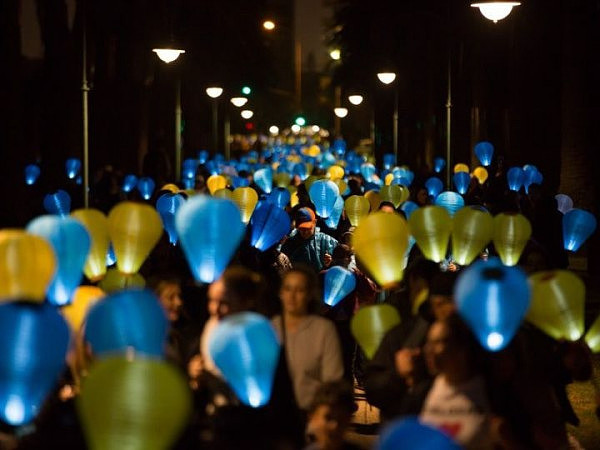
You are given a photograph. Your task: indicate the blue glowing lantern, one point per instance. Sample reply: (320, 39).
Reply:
(408, 207)
(367, 170)
(493, 299)
(323, 194)
(339, 147)
(300, 170)
(240, 182)
(515, 178)
(264, 179)
(439, 164)
(33, 343)
(564, 203)
(188, 183)
(129, 183)
(389, 161)
(189, 168)
(245, 349)
(484, 151)
(532, 176)
(212, 167)
(167, 206)
(219, 158)
(411, 434)
(336, 213)
(111, 259)
(71, 243)
(434, 186)
(125, 321)
(32, 173)
(401, 181)
(280, 197)
(72, 167)
(450, 201)
(578, 226)
(403, 172)
(353, 166)
(146, 187)
(461, 182)
(203, 156)
(269, 225)
(58, 203)
(337, 284)
(210, 230)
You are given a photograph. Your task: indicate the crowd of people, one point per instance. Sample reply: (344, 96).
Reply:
(430, 365)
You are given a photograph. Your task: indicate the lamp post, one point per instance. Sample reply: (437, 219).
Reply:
(340, 112)
(238, 102)
(215, 92)
(85, 89)
(388, 78)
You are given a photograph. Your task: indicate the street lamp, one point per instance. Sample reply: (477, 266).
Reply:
(495, 11)
(247, 114)
(388, 78)
(168, 55)
(239, 101)
(340, 112)
(214, 92)
(355, 99)
(268, 25)
(335, 54)
(274, 130)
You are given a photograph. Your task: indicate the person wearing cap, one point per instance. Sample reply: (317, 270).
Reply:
(307, 244)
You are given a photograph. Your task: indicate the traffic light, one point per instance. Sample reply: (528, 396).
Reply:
(249, 126)
(246, 90)
(300, 121)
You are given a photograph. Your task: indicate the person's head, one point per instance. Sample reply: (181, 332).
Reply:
(441, 295)
(299, 292)
(341, 256)
(422, 197)
(387, 207)
(239, 289)
(306, 221)
(168, 290)
(330, 413)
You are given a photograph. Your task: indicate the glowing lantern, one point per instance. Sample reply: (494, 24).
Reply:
(300, 171)
(557, 304)
(72, 167)
(367, 170)
(380, 242)
(450, 201)
(336, 213)
(323, 194)
(396, 194)
(167, 205)
(269, 225)
(97, 226)
(484, 151)
(134, 404)
(492, 299)
(189, 168)
(338, 283)
(223, 193)
(115, 281)
(389, 160)
(592, 337)
(71, 243)
(58, 203)
(578, 226)
(282, 179)
(461, 167)
(374, 199)
(434, 186)
(129, 182)
(245, 349)
(408, 208)
(439, 164)
(481, 174)
(357, 208)
(83, 299)
(127, 320)
(145, 186)
(27, 265)
(563, 203)
(461, 182)
(471, 231)
(280, 197)
(264, 179)
(32, 173)
(412, 434)
(216, 182)
(33, 343)
(431, 227)
(342, 186)
(170, 187)
(245, 198)
(335, 172)
(515, 178)
(208, 252)
(370, 324)
(134, 230)
(511, 233)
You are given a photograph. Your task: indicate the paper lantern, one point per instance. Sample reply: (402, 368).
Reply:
(210, 230)
(396, 194)
(338, 283)
(380, 242)
(374, 199)
(83, 299)
(203, 156)
(342, 186)
(111, 259)
(481, 174)
(450, 201)
(389, 160)
(310, 180)
(367, 170)
(408, 207)
(167, 205)
(357, 207)
(129, 183)
(189, 168)
(564, 203)
(115, 281)
(223, 193)
(515, 178)
(592, 337)
(335, 172)
(72, 167)
(461, 182)
(472, 230)
(96, 224)
(323, 194)
(170, 187)
(300, 171)
(294, 200)
(216, 182)
(58, 203)
(27, 265)
(484, 151)
(145, 186)
(578, 225)
(139, 404)
(387, 180)
(439, 164)
(557, 304)
(431, 227)
(531, 175)
(245, 349)
(282, 179)
(33, 343)
(336, 213)
(492, 299)
(461, 167)
(511, 233)
(131, 320)
(264, 179)
(280, 197)
(411, 434)
(405, 173)
(370, 324)
(134, 230)
(434, 186)
(245, 198)
(32, 173)
(269, 225)
(71, 244)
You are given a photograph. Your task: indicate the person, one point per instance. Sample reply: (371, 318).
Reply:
(329, 417)
(308, 245)
(310, 342)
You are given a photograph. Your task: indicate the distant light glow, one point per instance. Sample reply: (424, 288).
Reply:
(355, 99)
(315, 128)
(246, 90)
(296, 128)
(494, 341)
(495, 11)
(300, 121)
(268, 25)
(341, 112)
(247, 114)
(214, 91)
(14, 412)
(274, 129)
(168, 55)
(386, 77)
(239, 101)
(335, 54)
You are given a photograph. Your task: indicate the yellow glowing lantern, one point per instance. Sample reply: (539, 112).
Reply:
(431, 227)
(388, 179)
(481, 174)
(592, 337)
(170, 187)
(96, 224)
(223, 193)
(395, 194)
(335, 172)
(511, 233)
(83, 299)
(461, 167)
(374, 199)
(472, 230)
(294, 200)
(245, 199)
(216, 182)
(357, 207)
(341, 184)
(115, 281)
(282, 179)
(370, 324)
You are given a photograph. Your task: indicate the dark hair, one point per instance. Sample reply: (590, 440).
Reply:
(460, 336)
(156, 281)
(312, 285)
(386, 203)
(244, 288)
(337, 395)
(442, 283)
(340, 253)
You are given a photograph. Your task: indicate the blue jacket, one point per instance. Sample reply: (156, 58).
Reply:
(309, 251)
